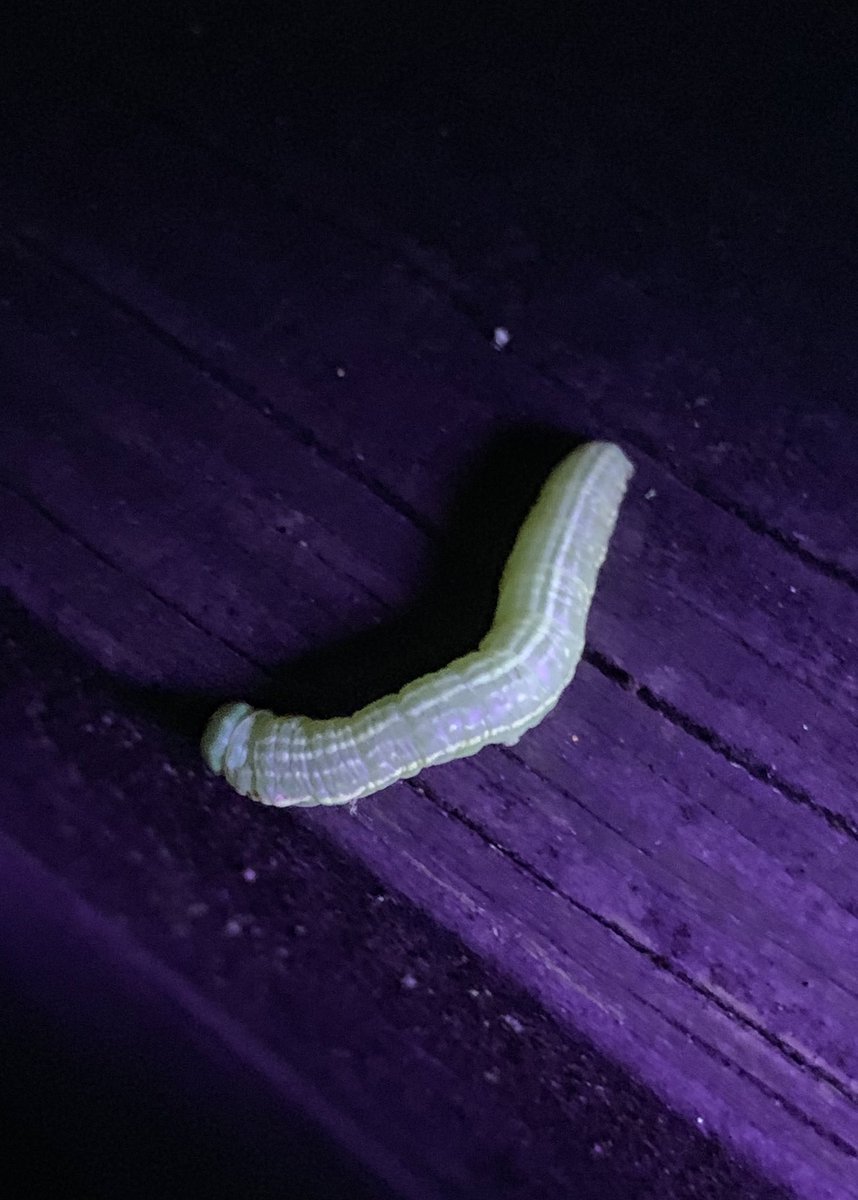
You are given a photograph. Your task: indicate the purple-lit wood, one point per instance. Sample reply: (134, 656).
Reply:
(255, 439)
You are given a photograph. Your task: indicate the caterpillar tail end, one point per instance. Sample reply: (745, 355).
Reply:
(216, 738)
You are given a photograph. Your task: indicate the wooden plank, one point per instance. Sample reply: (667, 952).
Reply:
(649, 942)
(779, 624)
(121, 1080)
(258, 950)
(635, 265)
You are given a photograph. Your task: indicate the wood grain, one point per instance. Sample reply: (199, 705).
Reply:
(251, 412)
(623, 889)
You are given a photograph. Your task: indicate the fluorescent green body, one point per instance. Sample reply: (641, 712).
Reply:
(493, 695)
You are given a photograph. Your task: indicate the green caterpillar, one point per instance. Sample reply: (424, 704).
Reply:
(493, 695)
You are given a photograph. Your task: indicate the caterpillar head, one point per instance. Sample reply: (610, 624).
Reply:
(225, 740)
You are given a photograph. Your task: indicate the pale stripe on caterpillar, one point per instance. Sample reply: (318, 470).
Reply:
(493, 695)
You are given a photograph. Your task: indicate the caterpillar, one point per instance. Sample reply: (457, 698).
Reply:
(490, 696)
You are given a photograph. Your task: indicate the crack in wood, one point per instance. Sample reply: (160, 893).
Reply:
(661, 961)
(708, 737)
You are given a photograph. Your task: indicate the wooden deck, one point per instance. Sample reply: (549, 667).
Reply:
(255, 442)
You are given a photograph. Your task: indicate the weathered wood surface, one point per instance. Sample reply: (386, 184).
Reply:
(250, 977)
(118, 1079)
(250, 404)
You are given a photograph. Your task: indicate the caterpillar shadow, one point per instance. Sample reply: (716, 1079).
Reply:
(451, 612)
